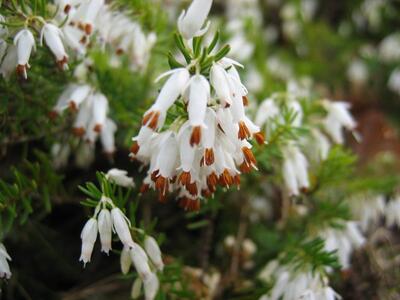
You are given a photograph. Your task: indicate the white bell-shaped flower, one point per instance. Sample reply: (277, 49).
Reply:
(52, 36)
(88, 236)
(25, 43)
(105, 230)
(154, 252)
(121, 226)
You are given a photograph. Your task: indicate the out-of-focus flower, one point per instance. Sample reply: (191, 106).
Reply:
(358, 72)
(394, 81)
(294, 170)
(338, 117)
(190, 22)
(343, 241)
(120, 177)
(392, 212)
(389, 48)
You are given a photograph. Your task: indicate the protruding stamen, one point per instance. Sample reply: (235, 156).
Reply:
(212, 181)
(151, 119)
(184, 178)
(225, 179)
(244, 132)
(259, 137)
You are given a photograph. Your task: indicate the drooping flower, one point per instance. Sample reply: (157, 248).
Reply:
(154, 252)
(25, 43)
(120, 177)
(105, 229)
(294, 170)
(121, 226)
(4, 266)
(338, 117)
(88, 236)
(392, 212)
(52, 36)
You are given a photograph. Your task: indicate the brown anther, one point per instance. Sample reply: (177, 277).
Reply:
(192, 188)
(21, 70)
(184, 178)
(244, 132)
(135, 148)
(78, 131)
(209, 156)
(88, 29)
(212, 181)
(245, 101)
(151, 119)
(81, 26)
(72, 106)
(119, 51)
(97, 128)
(62, 63)
(245, 167)
(67, 8)
(259, 137)
(144, 188)
(154, 175)
(225, 179)
(196, 136)
(162, 185)
(249, 156)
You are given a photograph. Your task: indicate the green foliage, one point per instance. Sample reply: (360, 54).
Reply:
(29, 187)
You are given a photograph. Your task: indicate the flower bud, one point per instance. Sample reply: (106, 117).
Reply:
(154, 252)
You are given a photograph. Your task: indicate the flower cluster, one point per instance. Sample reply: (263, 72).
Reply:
(206, 142)
(75, 25)
(343, 241)
(292, 284)
(107, 219)
(323, 132)
(16, 56)
(91, 109)
(4, 267)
